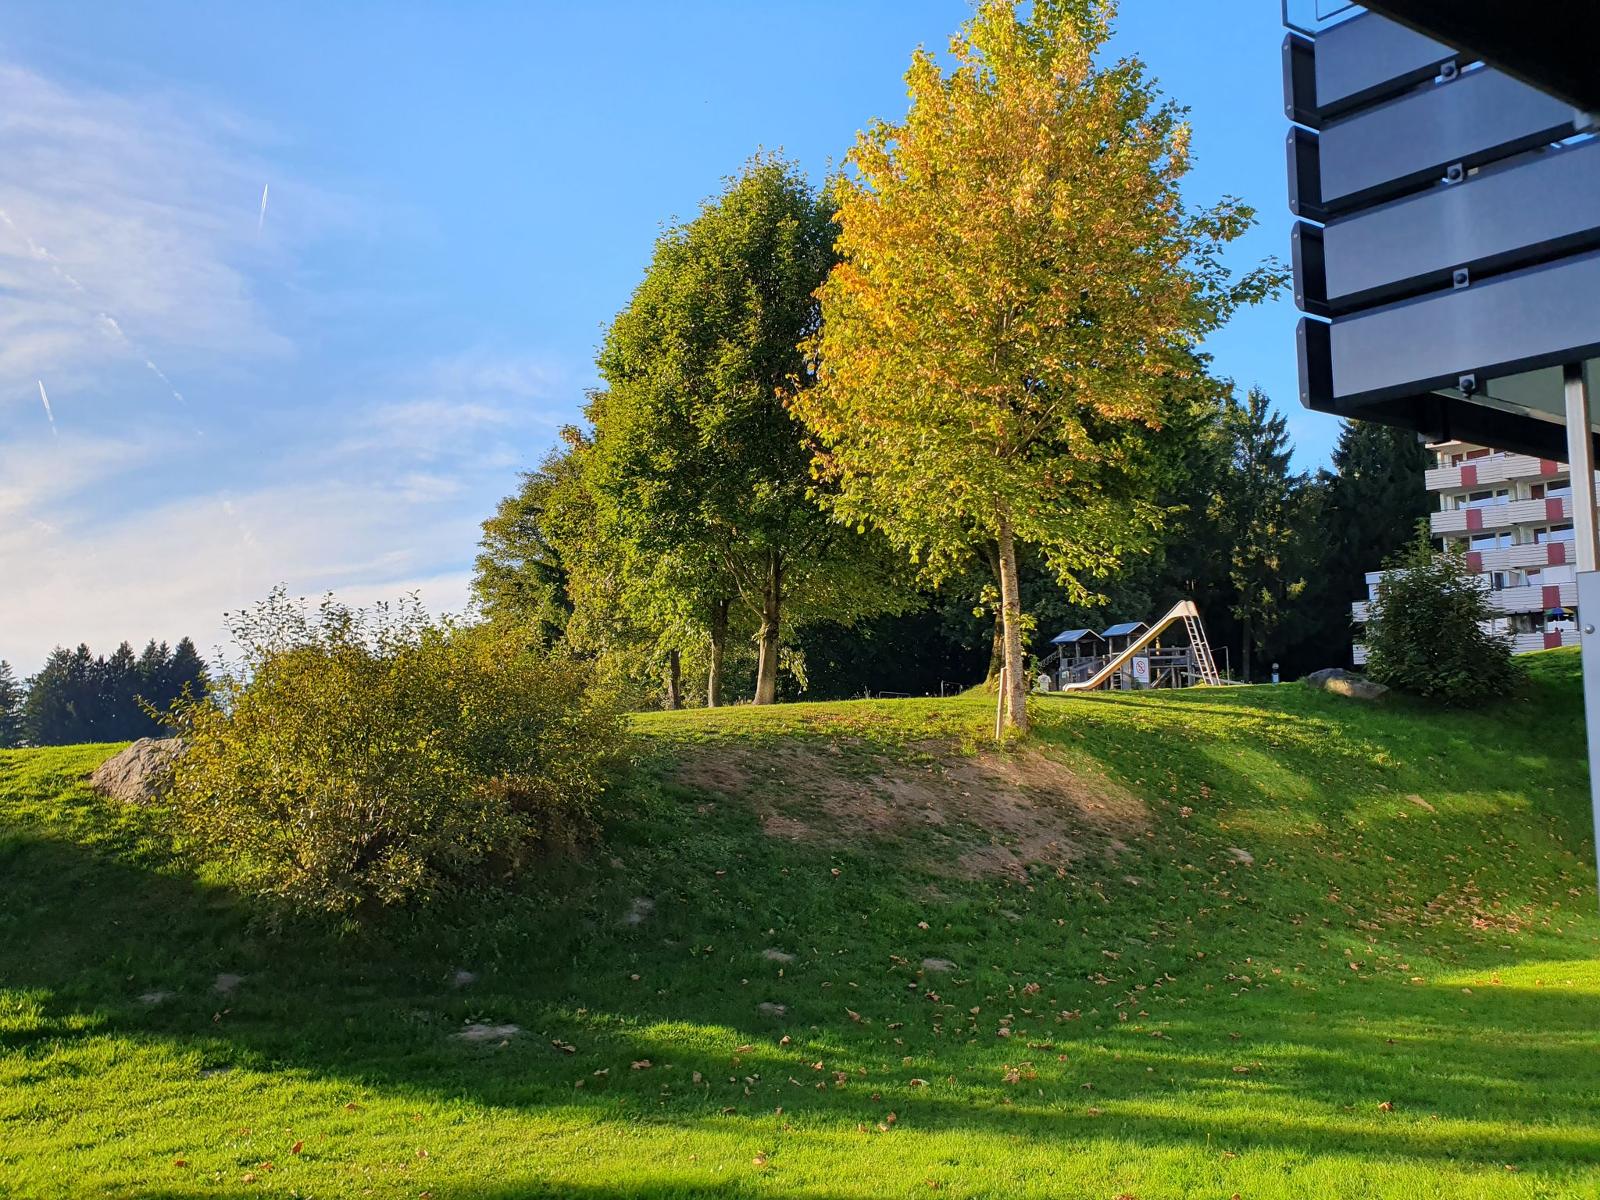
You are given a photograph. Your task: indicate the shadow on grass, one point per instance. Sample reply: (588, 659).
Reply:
(1511, 1075)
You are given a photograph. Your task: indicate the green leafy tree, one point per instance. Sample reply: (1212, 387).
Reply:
(1428, 631)
(520, 574)
(697, 467)
(1020, 283)
(1260, 504)
(11, 698)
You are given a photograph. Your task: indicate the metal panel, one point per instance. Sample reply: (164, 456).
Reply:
(1533, 318)
(1386, 151)
(1305, 178)
(1370, 58)
(1505, 217)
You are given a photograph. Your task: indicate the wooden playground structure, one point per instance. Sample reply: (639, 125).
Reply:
(1131, 655)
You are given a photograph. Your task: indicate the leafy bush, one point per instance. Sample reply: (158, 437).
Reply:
(363, 758)
(1427, 630)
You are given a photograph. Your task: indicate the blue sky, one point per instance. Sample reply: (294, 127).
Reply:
(334, 393)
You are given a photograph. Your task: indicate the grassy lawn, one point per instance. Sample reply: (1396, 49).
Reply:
(1252, 941)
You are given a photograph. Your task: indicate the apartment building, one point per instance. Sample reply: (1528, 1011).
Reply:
(1512, 514)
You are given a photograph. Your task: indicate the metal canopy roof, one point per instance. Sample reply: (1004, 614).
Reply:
(1123, 629)
(1547, 44)
(1067, 637)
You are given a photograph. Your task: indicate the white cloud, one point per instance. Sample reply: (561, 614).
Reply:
(128, 235)
(383, 499)
(135, 265)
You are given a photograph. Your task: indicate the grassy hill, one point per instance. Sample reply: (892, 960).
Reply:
(1252, 941)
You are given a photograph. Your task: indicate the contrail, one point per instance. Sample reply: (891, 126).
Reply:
(43, 255)
(45, 396)
(262, 219)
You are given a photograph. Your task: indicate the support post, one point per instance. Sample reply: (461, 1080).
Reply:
(1000, 705)
(1589, 639)
(1580, 457)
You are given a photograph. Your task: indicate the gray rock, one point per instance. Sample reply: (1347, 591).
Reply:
(768, 1009)
(777, 956)
(938, 966)
(226, 984)
(1241, 856)
(479, 1031)
(639, 911)
(463, 979)
(139, 774)
(1345, 683)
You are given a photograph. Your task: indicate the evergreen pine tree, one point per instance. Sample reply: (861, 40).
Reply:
(11, 698)
(186, 674)
(1259, 502)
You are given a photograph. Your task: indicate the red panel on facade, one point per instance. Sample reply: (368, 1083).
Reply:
(1552, 595)
(1469, 475)
(1549, 466)
(1555, 553)
(1474, 518)
(1474, 560)
(1552, 641)
(1552, 509)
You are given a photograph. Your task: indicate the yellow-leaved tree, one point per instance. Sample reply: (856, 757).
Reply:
(1020, 284)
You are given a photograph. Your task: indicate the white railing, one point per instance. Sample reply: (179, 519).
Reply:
(1496, 468)
(1531, 599)
(1499, 516)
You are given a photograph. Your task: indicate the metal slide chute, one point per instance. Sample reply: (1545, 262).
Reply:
(1184, 611)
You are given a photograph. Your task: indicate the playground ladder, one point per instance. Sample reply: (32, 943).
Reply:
(1201, 647)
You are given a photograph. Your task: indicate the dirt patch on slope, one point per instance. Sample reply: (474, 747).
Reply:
(989, 815)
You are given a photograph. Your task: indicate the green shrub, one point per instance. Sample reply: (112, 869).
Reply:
(358, 759)
(1427, 634)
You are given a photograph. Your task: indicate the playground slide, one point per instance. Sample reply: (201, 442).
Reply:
(1183, 610)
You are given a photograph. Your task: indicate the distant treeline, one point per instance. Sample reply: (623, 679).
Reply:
(78, 697)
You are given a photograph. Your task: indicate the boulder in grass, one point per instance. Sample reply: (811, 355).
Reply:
(139, 774)
(1345, 683)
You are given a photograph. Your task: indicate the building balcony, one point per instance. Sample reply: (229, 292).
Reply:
(1530, 554)
(1497, 468)
(1536, 598)
(1502, 516)
(1527, 643)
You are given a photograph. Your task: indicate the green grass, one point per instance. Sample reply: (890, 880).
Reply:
(1399, 996)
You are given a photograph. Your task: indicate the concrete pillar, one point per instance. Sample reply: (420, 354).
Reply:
(1580, 457)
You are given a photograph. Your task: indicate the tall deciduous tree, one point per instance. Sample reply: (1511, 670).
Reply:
(697, 466)
(1260, 508)
(1020, 282)
(520, 575)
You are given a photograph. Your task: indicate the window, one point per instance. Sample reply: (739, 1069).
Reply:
(1554, 533)
(1490, 541)
(1483, 499)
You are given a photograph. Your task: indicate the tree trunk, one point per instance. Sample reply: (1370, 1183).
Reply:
(674, 680)
(1016, 686)
(719, 642)
(771, 615)
(1244, 656)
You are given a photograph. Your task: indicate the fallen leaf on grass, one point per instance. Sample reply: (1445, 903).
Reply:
(642, 1064)
(297, 1147)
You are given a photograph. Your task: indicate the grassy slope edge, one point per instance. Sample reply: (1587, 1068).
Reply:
(1267, 942)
